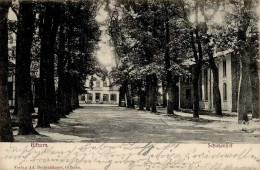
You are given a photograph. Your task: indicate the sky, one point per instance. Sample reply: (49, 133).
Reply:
(105, 53)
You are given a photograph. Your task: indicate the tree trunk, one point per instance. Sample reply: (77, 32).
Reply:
(68, 92)
(216, 91)
(164, 91)
(196, 70)
(141, 100)
(154, 92)
(175, 93)
(148, 94)
(77, 100)
(254, 77)
(6, 134)
(169, 76)
(243, 97)
(170, 104)
(255, 88)
(244, 49)
(121, 97)
(141, 95)
(128, 97)
(198, 65)
(46, 113)
(15, 99)
(31, 100)
(61, 95)
(74, 99)
(132, 96)
(122, 93)
(23, 62)
(67, 106)
(195, 82)
(61, 111)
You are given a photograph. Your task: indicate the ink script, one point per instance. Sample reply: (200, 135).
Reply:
(128, 156)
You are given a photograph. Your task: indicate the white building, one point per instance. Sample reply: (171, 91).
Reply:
(228, 68)
(229, 74)
(101, 91)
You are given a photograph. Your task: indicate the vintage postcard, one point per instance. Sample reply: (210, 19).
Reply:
(129, 84)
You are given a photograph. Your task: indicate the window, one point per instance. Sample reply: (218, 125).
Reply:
(98, 83)
(113, 97)
(105, 83)
(82, 97)
(206, 84)
(224, 68)
(97, 96)
(188, 94)
(105, 97)
(224, 91)
(10, 90)
(189, 79)
(90, 97)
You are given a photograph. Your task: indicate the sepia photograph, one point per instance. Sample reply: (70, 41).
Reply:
(129, 84)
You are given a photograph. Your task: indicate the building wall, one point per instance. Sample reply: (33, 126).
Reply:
(205, 96)
(108, 94)
(225, 79)
(230, 79)
(185, 92)
(235, 81)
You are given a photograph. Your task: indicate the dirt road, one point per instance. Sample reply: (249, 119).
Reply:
(101, 123)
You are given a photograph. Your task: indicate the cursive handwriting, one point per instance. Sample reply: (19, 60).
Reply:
(132, 156)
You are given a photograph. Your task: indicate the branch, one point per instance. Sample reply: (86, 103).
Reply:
(198, 40)
(14, 10)
(185, 16)
(194, 47)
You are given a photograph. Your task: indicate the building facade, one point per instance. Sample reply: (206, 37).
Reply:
(229, 74)
(100, 90)
(185, 92)
(228, 70)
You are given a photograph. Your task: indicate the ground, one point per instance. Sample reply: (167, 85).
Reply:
(103, 123)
